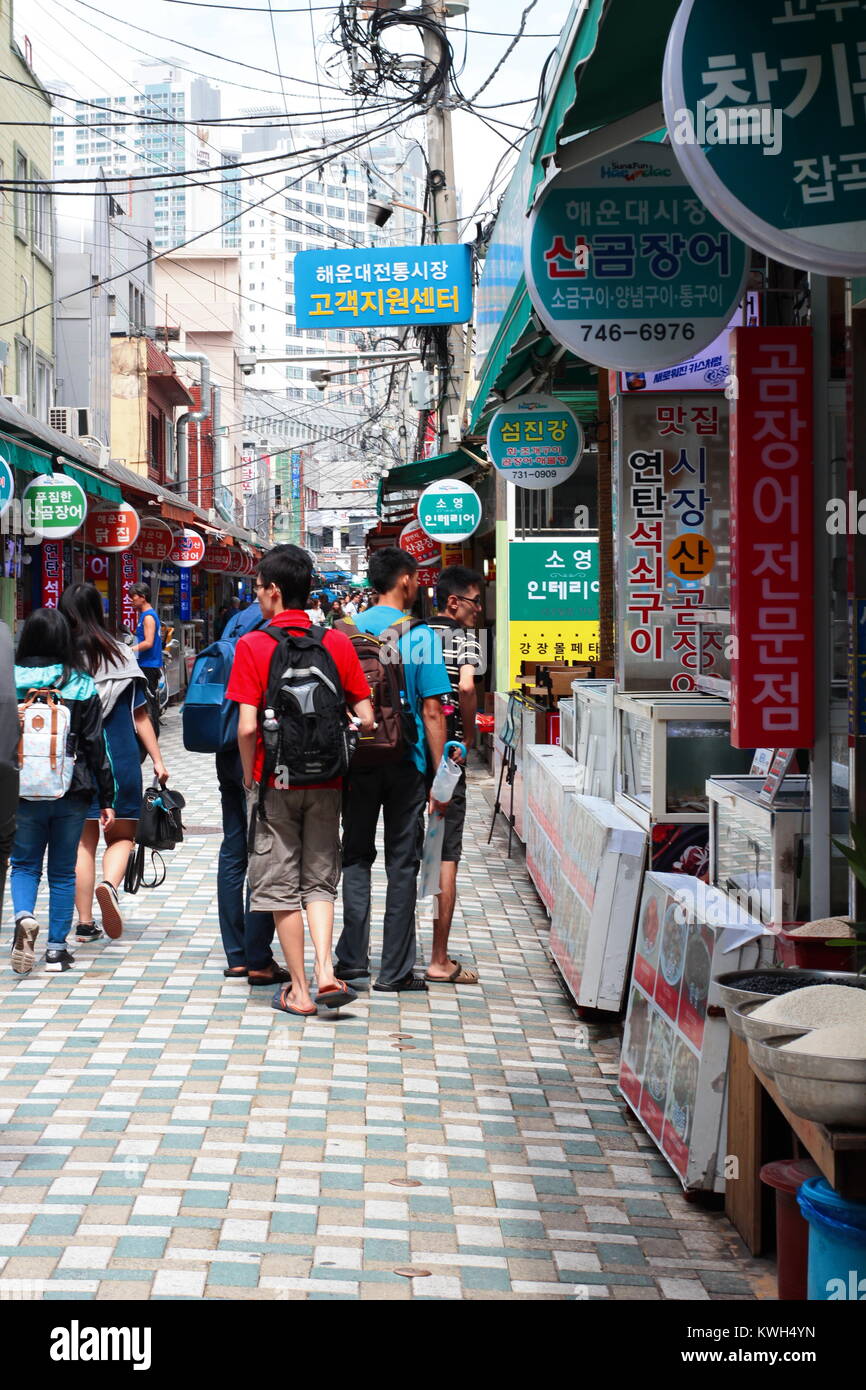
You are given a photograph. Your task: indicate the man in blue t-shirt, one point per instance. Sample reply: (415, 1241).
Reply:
(398, 790)
(148, 645)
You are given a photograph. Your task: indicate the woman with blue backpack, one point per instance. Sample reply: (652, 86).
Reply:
(121, 685)
(64, 761)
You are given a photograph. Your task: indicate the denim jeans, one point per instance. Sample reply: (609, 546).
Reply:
(247, 936)
(55, 826)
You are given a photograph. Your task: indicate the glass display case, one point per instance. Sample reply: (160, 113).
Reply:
(667, 747)
(759, 854)
(566, 726)
(594, 736)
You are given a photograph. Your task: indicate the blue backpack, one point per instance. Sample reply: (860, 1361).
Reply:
(210, 722)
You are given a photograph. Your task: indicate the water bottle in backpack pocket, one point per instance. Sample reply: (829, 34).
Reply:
(305, 732)
(45, 757)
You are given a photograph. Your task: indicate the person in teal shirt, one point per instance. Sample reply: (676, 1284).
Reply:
(397, 790)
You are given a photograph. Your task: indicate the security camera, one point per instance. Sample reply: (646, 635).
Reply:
(379, 212)
(247, 362)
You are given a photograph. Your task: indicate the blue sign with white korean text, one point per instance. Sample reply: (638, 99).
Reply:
(626, 267)
(184, 605)
(766, 107)
(369, 288)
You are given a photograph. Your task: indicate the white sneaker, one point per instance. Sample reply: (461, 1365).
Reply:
(109, 906)
(24, 943)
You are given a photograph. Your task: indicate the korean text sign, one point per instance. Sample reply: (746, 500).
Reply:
(671, 535)
(55, 506)
(772, 551)
(766, 105)
(553, 601)
(52, 573)
(112, 529)
(449, 510)
(626, 266)
(371, 287)
(535, 441)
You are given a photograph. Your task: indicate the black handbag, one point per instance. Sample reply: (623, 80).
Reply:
(159, 828)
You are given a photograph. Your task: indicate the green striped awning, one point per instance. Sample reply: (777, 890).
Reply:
(23, 457)
(94, 486)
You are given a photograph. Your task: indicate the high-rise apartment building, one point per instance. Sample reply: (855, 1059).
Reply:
(159, 123)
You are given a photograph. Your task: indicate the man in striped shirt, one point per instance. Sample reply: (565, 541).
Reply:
(458, 606)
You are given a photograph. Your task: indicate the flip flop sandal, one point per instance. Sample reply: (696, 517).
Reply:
(235, 972)
(461, 975)
(279, 1003)
(333, 998)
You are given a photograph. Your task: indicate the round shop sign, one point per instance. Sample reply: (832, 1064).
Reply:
(155, 540)
(7, 483)
(217, 558)
(188, 549)
(236, 562)
(415, 541)
(449, 511)
(535, 441)
(112, 529)
(764, 104)
(54, 506)
(626, 267)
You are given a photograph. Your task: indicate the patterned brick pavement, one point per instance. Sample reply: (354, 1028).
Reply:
(165, 1134)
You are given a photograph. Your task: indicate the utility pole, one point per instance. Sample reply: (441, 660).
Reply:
(443, 196)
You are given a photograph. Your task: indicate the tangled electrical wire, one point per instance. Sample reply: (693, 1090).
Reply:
(372, 65)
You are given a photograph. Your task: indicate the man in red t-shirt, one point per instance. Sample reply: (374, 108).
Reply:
(294, 864)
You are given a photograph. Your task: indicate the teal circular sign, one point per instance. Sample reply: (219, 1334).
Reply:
(7, 483)
(625, 265)
(449, 511)
(535, 441)
(765, 108)
(55, 506)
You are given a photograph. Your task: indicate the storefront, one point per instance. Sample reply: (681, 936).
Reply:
(711, 728)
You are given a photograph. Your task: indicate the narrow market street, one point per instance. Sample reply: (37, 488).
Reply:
(167, 1135)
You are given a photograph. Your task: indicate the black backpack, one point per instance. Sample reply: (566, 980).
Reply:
(304, 729)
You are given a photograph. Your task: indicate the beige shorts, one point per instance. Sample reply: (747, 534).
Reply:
(295, 855)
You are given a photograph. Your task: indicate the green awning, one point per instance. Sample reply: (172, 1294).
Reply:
(22, 457)
(93, 485)
(424, 471)
(612, 70)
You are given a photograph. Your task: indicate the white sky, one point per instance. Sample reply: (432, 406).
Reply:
(93, 52)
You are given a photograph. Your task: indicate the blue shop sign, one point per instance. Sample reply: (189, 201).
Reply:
(369, 287)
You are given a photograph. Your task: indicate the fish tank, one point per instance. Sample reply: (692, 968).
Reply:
(760, 854)
(667, 748)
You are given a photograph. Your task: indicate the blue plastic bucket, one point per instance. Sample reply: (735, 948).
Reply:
(837, 1243)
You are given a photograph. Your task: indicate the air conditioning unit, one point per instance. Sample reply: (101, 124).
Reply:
(101, 450)
(73, 420)
(20, 402)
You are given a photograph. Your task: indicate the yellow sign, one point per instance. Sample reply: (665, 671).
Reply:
(691, 555)
(550, 641)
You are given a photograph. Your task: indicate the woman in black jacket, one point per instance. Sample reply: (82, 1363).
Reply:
(46, 661)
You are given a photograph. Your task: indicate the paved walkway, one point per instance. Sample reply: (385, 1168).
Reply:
(165, 1134)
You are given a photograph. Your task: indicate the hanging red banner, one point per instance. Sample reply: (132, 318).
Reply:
(772, 548)
(52, 573)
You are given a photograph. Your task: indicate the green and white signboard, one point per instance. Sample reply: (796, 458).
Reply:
(535, 441)
(449, 511)
(7, 484)
(766, 107)
(55, 506)
(625, 265)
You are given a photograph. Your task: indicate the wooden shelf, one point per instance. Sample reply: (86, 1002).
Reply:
(839, 1153)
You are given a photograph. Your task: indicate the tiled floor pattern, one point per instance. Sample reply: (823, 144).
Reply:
(165, 1134)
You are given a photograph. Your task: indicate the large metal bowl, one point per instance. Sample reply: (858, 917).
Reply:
(813, 1068)
(760, 1029)
(733, 997)
(764, 1052)
(823, 1100)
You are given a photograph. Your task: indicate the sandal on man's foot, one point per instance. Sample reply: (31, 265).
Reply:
(336, 995)
(235, 972)
(274, 975)
(460, 975)
(412, 984)
(87, 931)
(280, 1002)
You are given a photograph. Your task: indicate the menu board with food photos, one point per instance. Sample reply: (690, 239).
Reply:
(673, 1067)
